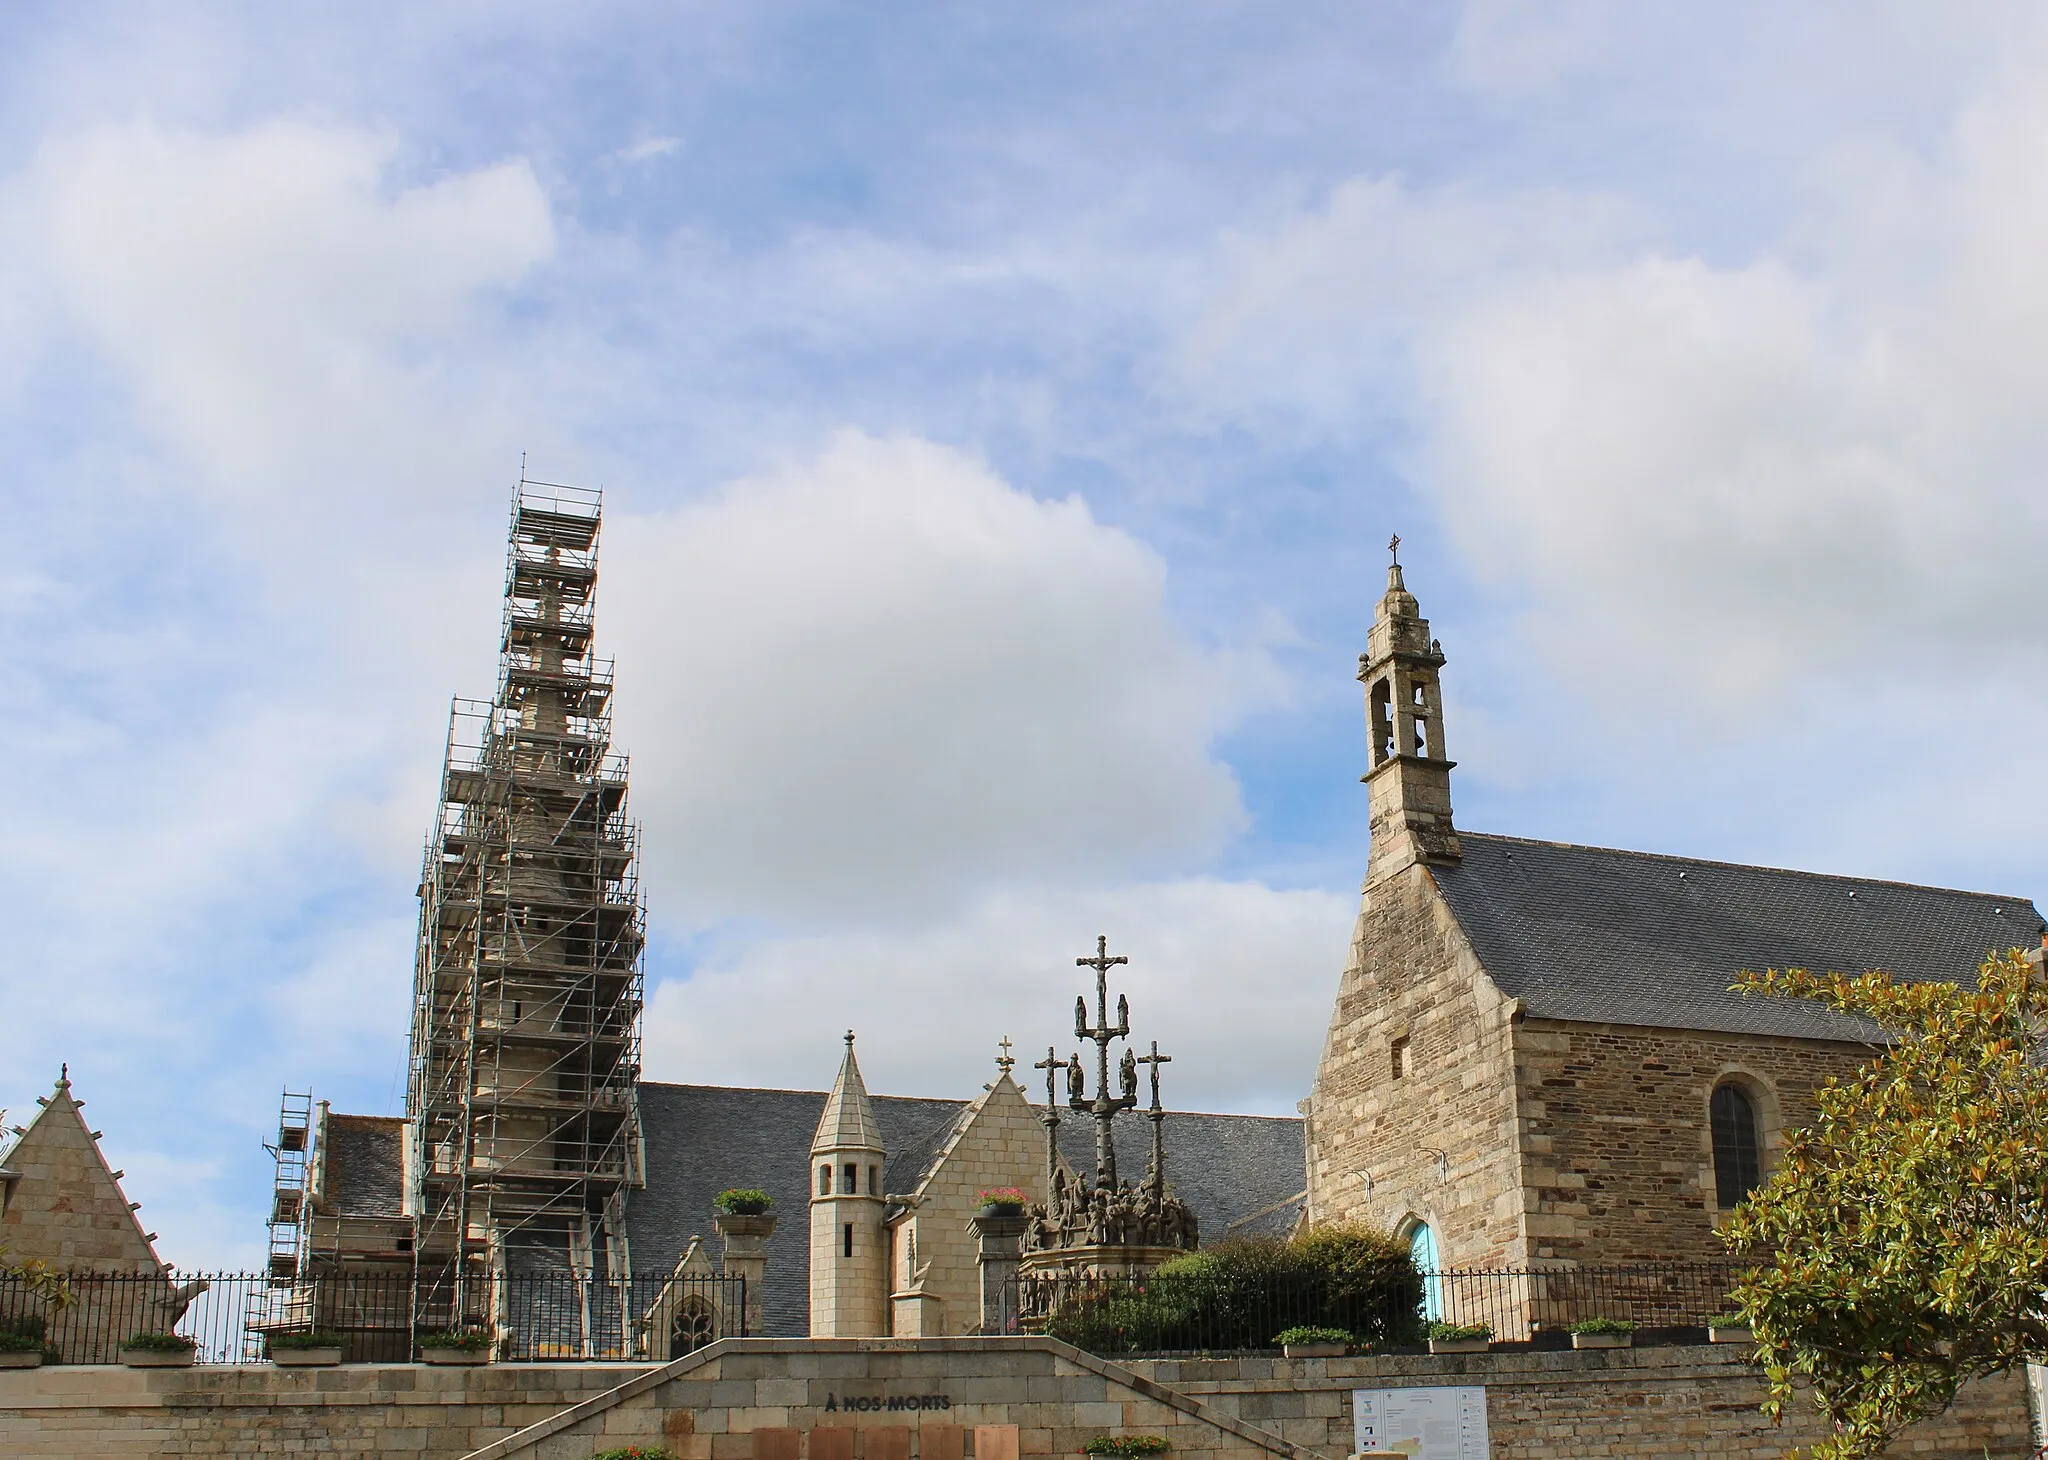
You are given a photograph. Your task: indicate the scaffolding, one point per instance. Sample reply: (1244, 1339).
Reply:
(525, 1050)
(272, 1306)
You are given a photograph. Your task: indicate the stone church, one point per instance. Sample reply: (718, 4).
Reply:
(1533, 1058)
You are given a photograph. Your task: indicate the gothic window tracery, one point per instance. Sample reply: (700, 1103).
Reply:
(1738, 1166)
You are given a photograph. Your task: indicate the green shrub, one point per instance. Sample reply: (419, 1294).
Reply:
(161, 1343)
(25, 1325)
(633, 1452)
(1728, 1320)
(743, 1201)
(19, 1343)
(1602, 1325)
(1311, 1335)
(1009, 1198)
(469, 1340)
(1452, 1332)
(1238, 1294)
(1125, 1445)
(304, 1341)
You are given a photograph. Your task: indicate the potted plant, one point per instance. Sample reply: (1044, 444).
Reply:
(456, 1346)
(159, 1351)
(1729, 1328)
(1123, 1446)
(1460, 1338)
(1003, 1201)
(634, 1452)
(743, 1201)
(1313, 1343)
(1603, 1333)
(20, 1351)
(305, 1350)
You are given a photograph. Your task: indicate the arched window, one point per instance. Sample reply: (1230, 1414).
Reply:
(1422, 1248)
(1737, 1168)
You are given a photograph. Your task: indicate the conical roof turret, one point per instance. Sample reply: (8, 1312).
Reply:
(848, 1123)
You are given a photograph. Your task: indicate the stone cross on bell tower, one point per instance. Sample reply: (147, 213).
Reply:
(1409, 782)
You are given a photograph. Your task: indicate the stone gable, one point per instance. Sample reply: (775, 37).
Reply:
(67, 1207)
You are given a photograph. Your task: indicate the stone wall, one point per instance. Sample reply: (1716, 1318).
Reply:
(1001, 1143)
(1616, 1148)
(1412, 977)
(1678, 1403)
(221, 1411)
(945, 1399)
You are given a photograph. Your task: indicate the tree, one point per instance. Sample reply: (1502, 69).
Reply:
(1905, 1235)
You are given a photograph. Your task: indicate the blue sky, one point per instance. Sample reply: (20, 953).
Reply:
(1002, 412)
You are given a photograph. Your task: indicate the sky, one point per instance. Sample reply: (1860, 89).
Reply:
(1002, 411)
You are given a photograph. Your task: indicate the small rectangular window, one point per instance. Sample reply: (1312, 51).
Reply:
(874, 1181)
(849, 1179)
(847, 1235)
(1398, 1053)
(824, 1181)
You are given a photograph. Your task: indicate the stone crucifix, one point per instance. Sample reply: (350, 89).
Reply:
(1106, 1105)
(1157, 1115)
(1052, 1064)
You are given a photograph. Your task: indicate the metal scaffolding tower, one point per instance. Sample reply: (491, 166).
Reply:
(525, 1052)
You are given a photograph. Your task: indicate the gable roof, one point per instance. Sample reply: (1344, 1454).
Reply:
(67, 1207)
(702, 1139)
(1591, 935)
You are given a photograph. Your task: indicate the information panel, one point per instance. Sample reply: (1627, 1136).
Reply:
(1430, 1424)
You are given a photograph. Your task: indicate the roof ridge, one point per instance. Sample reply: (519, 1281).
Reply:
(1532, 841)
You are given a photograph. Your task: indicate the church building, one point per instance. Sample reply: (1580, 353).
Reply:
(1534, 1058)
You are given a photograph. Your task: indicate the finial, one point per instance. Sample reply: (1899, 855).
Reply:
(1394, 547)
(1003, 1060)
(849, 1041)
(64, 1074)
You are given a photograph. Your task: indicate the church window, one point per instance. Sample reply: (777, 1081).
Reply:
(824, 1181)
(1397, 1054)
(849, 1179)
(1737, 1169)
(846, 1238)
(695, 1324)
(1382, 721)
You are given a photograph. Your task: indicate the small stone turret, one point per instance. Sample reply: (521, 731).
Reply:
(849, 1256)
(1409, 783)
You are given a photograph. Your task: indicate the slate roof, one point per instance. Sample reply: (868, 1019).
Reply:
(364, 1165)
(702, 1139)
(1591, 935)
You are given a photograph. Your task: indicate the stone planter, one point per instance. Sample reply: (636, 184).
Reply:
(21, 1359)
(158, 1358)
(1603, 1340)
(305, 1358)
(1314, 1350)
(1729, 1335)
(1460, 1345)
(467, 1357)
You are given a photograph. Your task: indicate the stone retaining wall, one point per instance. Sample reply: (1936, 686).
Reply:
(1664, 1403)
(975, 1399)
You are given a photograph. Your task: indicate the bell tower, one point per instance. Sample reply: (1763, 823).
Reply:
(849, 1260)
(1409, 783)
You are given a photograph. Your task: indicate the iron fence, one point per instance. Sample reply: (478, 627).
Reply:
(231, 1316)
(1387, 1309)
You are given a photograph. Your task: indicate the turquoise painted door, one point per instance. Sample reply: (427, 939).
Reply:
(1422, 1247)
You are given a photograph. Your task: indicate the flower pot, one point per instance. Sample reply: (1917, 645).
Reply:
(1729, 1335)
(1460, 1345)
(459, 1356)
(1603, 1340)
(158, 1358)
(1314, 1350)
(21, 1359)
(305, 1358)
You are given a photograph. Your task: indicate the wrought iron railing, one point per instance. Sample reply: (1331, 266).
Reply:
(532, 1317)
(1389, 1309)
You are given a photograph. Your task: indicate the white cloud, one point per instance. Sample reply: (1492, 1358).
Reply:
(881, 678)
(1234, 979)
(274, 297)
(1718, 475)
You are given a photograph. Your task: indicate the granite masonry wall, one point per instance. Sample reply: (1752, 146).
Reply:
(1617, 1152)
(1414, 984)
(943, 1399)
